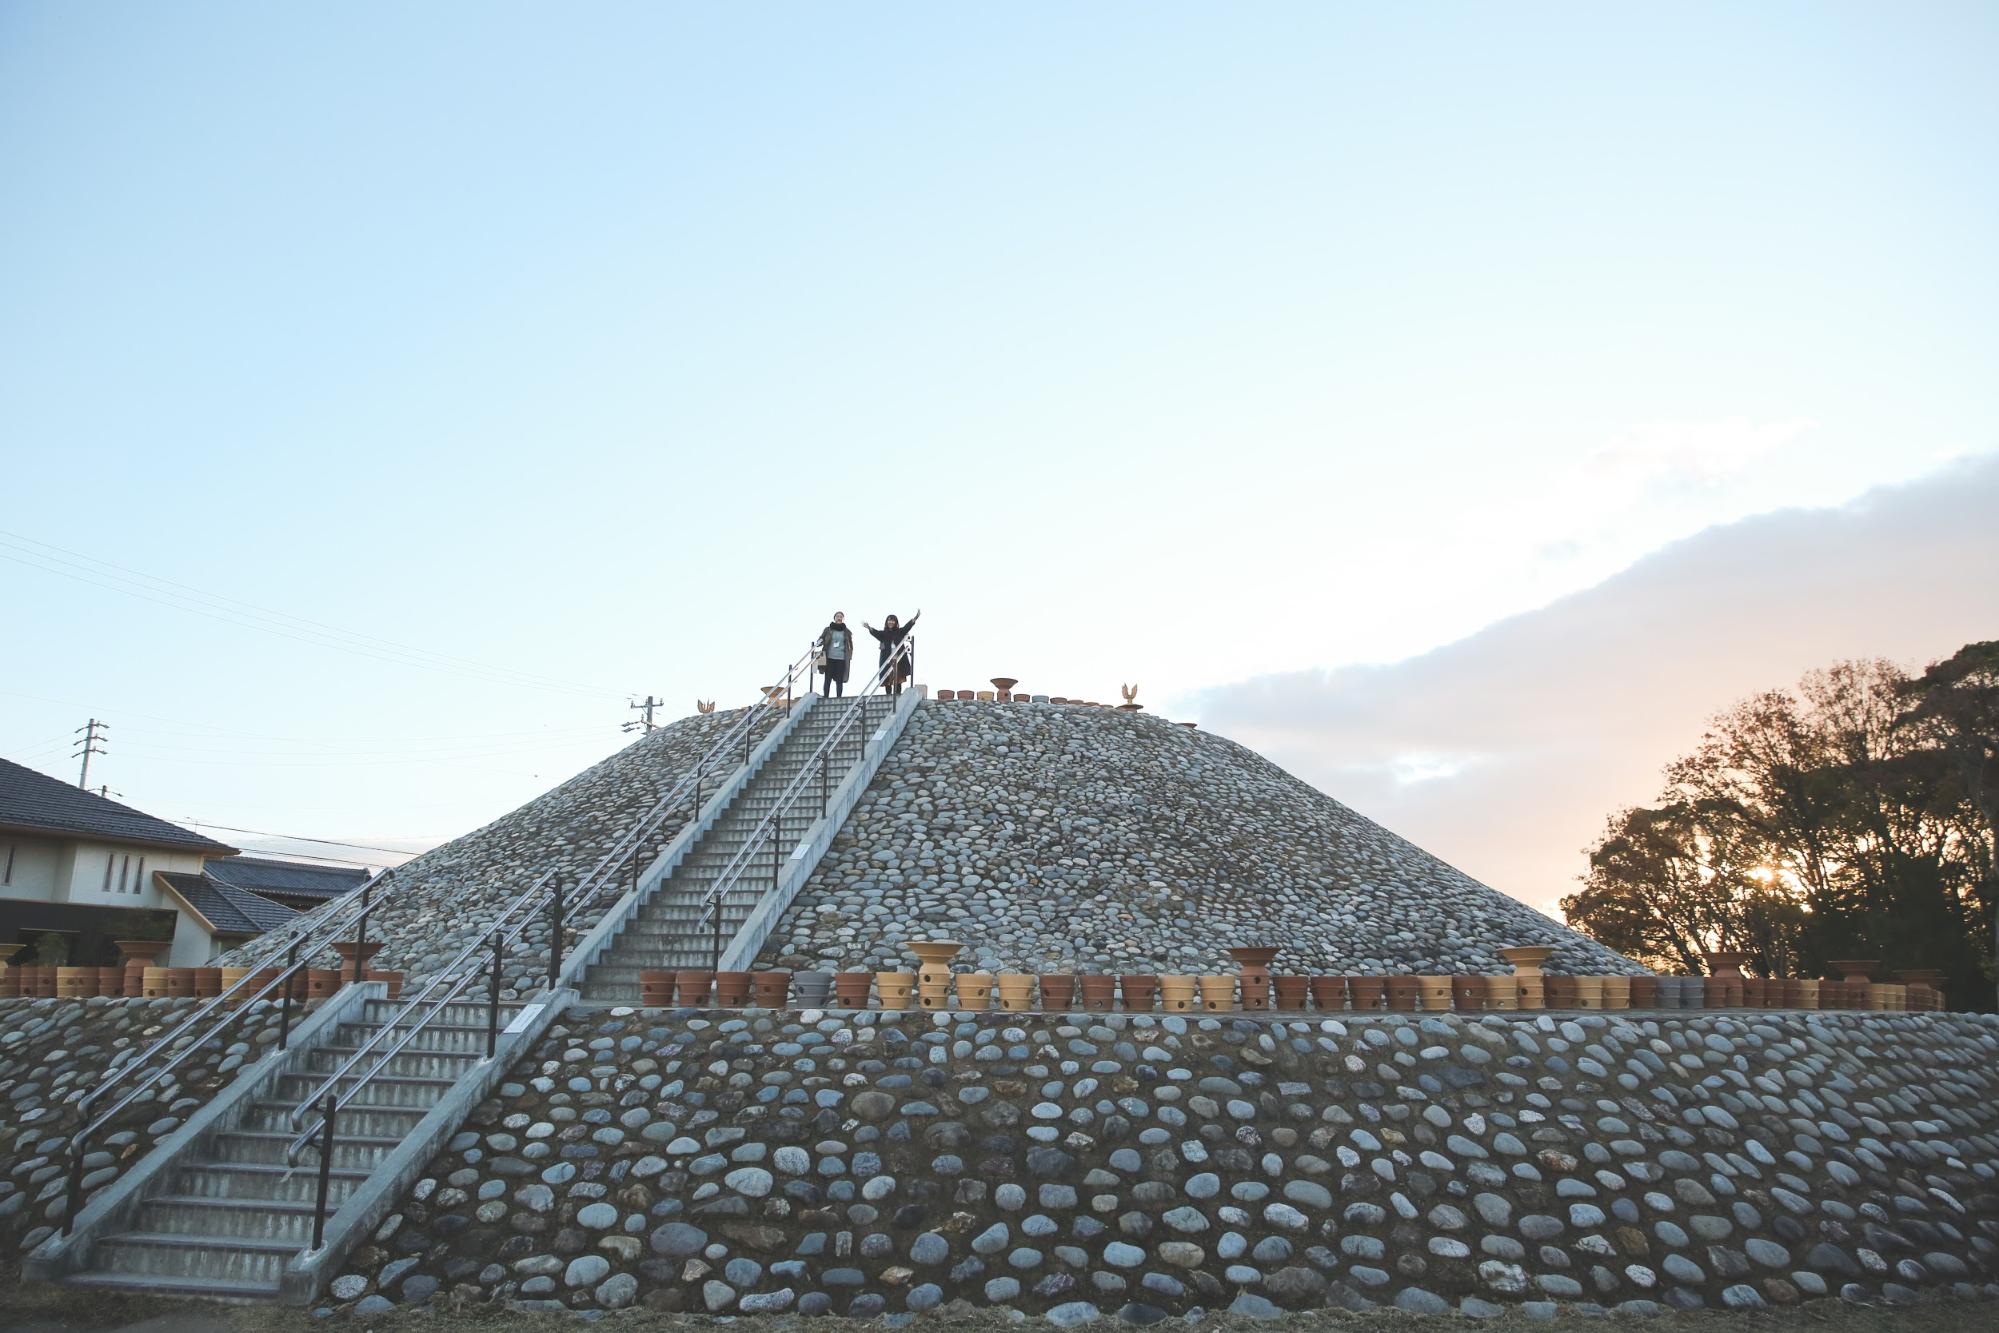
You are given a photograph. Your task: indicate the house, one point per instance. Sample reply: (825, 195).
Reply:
(77, 865)
(296, 885)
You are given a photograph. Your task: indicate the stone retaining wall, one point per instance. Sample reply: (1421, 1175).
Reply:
(52, 1052)
(860, 1163)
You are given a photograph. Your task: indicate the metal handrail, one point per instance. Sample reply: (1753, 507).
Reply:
(733, 872)
(332, 924)
(546, 891)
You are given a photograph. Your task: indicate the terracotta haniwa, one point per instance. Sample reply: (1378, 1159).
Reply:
(1253, 961)
(1367, 992)
(1467, 994)
(1137, 991)
(1404, 993)
(975, 990)
(1058, 992)
(1099, 993)
(1589, 992)
(1177, 993)
(771, 990)
(1617, 992)
(1293, 993)
(851, 989)
(1527, 960)
(1217, 992)
(1016, 991)
(894, 988)
(1502, 993)
(1329, 993)
(1435, 993)
(933, 974)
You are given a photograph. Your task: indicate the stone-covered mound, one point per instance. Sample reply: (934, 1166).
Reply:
(744, 1162)
(1050, 837)
(442, 900)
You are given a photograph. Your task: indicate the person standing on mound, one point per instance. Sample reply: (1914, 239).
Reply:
(836, 654)
(890, 637)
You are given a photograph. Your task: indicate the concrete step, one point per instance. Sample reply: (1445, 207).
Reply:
(459, 1013)
(351, 1151)
(382, 1090)
(300, 1184)
(410, 1064)
(228, 1219)
(433, 1037)
(156, 1285)
(363, 1118)
(155, 1254)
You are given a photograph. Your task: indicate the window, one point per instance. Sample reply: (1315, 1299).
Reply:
(110, 863)
(139, 880)
(7, 875)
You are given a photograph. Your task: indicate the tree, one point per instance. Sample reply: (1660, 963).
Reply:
(1956, 703)
(1850, 817)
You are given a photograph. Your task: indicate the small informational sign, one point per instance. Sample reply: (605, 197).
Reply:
(525, 1017)
(798, 853)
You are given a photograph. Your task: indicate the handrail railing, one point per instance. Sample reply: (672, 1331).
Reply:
(545, 894)
(767, 829)
(326, 927)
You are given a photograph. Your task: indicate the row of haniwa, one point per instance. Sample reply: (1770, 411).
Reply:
(138, 977)
(1253, 987)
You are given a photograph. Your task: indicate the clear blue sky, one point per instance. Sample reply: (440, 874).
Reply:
(621, 344)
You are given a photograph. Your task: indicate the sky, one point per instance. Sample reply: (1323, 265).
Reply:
(387, 393)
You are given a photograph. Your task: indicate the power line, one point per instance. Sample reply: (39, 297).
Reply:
(298, 837)
(249, 615)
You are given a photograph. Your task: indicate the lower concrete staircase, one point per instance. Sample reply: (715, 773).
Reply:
(228, 1218)
(666, 930)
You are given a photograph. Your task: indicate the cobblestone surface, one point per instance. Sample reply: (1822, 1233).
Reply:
(1081, 1166)
(1052, 838)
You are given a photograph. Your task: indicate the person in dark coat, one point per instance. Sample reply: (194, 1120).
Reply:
(890, 637)
(836, 654)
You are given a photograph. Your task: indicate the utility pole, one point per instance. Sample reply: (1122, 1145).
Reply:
(92, 739)
(645, 709)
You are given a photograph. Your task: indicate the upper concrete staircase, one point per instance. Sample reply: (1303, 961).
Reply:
(671, 928)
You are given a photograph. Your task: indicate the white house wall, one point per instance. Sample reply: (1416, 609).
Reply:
(33, 873)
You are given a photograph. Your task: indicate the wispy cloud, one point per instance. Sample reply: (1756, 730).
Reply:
(1503, 752)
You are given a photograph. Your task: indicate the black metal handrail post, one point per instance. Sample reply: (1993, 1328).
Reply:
(493, 1002)
(555, 933)
(328, 1110)
(361, 930)
(285, 1005)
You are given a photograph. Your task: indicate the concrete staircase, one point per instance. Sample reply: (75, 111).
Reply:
(225, 1220)
(665, 930)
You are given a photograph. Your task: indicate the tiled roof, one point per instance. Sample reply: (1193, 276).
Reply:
(293, 879)
(232, 911)
(34, 802)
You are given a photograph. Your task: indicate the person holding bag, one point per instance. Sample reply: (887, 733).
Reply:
(836, 654)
